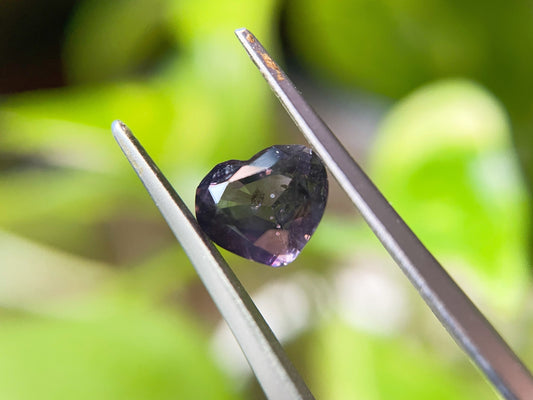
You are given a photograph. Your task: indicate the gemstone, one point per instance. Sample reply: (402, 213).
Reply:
(264, 209)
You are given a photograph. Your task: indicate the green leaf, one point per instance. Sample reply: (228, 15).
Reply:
(106, 40)
(352, 365)
(392, 47)
(135, 354)
(445, 161)
(34, 277)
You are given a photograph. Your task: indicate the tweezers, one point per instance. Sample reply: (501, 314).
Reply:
(271, 366)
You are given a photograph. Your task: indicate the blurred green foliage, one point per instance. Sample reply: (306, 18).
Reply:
(98, 301)
(392, 47)
(445, 156)
(140, 354)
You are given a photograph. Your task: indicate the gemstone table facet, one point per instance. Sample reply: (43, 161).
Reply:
(264, 209)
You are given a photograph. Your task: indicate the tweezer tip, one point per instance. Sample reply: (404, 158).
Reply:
(245, 35)
(240, 31)
(120, 130)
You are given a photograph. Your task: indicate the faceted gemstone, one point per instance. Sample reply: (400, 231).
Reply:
(264, 209)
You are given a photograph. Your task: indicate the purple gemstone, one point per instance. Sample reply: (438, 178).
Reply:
(264, 209)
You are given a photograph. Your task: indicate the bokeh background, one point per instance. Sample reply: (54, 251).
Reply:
(433, 98)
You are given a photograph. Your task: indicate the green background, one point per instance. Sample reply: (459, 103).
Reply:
(97, 300)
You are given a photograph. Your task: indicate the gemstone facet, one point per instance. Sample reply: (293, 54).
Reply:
(264, 209)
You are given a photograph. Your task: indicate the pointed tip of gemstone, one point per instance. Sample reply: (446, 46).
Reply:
(267, 208)
(284, 259)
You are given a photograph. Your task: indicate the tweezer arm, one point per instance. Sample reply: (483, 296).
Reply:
(448, 302)
(276, 374)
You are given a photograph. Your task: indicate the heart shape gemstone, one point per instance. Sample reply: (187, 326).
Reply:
(264, 209)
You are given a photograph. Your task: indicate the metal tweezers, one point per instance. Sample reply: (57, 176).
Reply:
(271, 366)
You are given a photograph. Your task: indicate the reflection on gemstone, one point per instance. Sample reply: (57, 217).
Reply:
(276, 241)
(264, 209)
